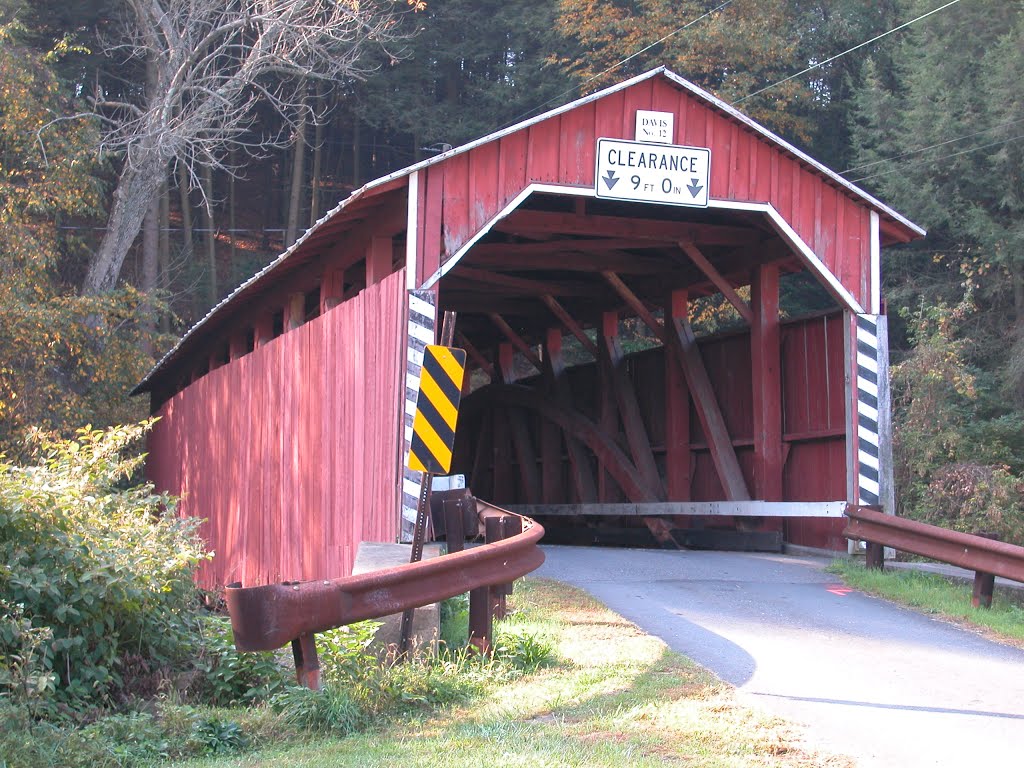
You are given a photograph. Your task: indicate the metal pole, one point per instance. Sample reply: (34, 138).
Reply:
(422, 508)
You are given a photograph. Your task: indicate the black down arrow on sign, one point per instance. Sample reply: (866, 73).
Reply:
(611, 179)
(694, 186)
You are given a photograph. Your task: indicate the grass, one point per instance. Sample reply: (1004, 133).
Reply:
(613, 697)
(948, 599)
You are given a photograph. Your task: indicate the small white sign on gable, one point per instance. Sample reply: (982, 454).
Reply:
(657, 127)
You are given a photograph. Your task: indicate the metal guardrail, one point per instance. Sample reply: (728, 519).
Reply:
(986, 557)
(268, 617)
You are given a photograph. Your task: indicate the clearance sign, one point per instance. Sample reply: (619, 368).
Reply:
(652, 173)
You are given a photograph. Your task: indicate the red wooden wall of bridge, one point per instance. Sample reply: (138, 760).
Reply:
(813, 426)
(469, 189)
(290, 452)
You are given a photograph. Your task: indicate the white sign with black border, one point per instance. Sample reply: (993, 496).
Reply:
(652, 173)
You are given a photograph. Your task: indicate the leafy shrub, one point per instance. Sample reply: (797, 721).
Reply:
(345, 654)
(102, 565)
(229, 677)
(522, 649)
(976, 499)
(215, 736)
(331, 710)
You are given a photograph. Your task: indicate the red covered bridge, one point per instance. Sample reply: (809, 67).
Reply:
(284, 411)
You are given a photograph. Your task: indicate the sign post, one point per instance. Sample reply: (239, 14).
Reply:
(652, 172)
(433, 435)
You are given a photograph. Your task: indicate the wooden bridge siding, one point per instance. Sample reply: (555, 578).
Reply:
(812, 372)
(478, 184)
(279, 451)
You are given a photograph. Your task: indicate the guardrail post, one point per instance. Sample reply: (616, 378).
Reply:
(984, 585)
(307, 663)
(874, 556)
(480, 619)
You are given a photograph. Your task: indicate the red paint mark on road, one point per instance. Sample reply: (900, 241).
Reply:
(838, 589)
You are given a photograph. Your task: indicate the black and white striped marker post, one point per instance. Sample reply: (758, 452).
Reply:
(422, 322)
(869, 372)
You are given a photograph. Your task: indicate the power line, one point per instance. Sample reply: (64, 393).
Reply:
(615, 66)
(849, 50)
(944, 157)
(933, 146)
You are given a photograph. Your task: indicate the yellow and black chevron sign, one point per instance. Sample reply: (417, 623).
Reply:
(437, 409)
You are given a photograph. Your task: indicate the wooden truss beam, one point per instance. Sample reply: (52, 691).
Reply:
(485, 280)
(570, 323)
(476, 356)
(526, 457)
(594, 245)
(710, 413)
(612, 358)
(566, 259)
(558, 383)
(526, 221)
(722, 453)
(705, 266)
(616, 463)
(766, 368)
(517, 341)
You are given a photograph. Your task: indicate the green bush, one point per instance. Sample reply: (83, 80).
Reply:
(521, 649)
(229, 677)
(101, 566)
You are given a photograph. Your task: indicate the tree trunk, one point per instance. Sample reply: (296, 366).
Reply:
(164, 253)
(187, 243)
(356, 149)
(232, 217)
(210, 237)
(136, 188)
(150, 270)
(298, 174)
(318, 160)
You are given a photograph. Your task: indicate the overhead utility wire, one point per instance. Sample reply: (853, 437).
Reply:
(849, 50)
(934, 146)
(944, 157)
(615, 66)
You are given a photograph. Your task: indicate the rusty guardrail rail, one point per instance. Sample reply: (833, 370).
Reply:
(986, 557)
(264, 618)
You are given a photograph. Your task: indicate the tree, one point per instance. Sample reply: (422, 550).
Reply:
(731, 52)
(472, 67)
(56, 370)
(211, 64)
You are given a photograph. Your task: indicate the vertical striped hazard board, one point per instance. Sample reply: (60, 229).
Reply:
(437, 410)
(422, 321)
(868, 389)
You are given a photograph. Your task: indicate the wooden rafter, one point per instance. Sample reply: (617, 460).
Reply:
(636, 304)
(566, 259)
(622, 227)
(570, 323)
(516, 340)
(561, 245)
(705, 266)
(486, 280)
(475, 355)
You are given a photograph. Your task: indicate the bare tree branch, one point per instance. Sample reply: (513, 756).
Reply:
(214, 62)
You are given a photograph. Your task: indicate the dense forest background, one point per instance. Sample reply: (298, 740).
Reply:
(93, 115)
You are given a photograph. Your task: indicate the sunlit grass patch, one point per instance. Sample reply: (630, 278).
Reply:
(611, 697)
(948, 599)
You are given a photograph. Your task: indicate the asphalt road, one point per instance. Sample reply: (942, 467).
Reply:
(886, 686)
